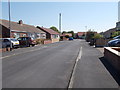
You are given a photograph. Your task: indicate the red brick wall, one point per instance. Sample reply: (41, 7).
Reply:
(47, 41)
(112, 58)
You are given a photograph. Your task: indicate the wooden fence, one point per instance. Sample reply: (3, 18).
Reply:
(101, 42)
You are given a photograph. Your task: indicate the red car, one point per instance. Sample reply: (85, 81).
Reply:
(26, 41)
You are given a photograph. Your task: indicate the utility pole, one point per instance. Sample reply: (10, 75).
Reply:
(9, 22)
(85, 31)
(60, 22)
(9, 17)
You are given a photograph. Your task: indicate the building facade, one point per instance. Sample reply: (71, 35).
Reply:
(50, 34)
(18, 29)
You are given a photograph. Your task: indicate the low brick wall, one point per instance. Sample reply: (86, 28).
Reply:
(47, 41)
(113, 56)
(55, 40)
(101, 42)
(4, 49)
(64, 39)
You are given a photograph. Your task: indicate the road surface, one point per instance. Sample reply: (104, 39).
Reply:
(53, 66)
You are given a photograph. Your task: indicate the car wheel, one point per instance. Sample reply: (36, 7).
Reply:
(13, 46)
(28, 45)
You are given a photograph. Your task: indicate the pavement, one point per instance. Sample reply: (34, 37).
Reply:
(90, 72)
(60, 65)
(101, 49)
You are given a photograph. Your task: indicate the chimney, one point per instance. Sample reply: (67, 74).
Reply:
(20, 22)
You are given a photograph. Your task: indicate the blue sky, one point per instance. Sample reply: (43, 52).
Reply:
(99, 16)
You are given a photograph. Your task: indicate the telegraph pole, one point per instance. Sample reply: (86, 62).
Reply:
(9, 17)
(85, 31)
(60, 22)
(9, 22)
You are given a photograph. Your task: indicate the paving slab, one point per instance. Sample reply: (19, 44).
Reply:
(90, 72)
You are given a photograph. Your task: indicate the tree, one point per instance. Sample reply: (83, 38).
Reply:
(71, 32)
(116, 34)
(67, 36)
(89, 35)
(97, 36)
(64, 32)
(55, 29)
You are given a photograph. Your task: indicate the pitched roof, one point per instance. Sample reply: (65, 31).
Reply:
(20, 27)
(80, 33)
(110, 30)
(48, 30)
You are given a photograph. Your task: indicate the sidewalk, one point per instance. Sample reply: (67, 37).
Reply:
(90, 72)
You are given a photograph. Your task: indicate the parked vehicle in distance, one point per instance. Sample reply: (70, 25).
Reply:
(117, 37)
(5, 43)
(70, 38)
(114, 43)
(26, 41)
(15, 42)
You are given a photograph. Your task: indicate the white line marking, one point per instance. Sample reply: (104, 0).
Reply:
(76, 62)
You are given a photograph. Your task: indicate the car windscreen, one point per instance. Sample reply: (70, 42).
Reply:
(13, 40)
(117, 37)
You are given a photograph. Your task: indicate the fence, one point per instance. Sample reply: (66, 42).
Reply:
(101, 42)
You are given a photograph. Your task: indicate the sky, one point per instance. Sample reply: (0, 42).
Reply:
(98, 16)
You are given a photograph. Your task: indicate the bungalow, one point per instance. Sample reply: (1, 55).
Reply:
(81, 35)
(108, 33)
(118, 26)
(67, 34)
(18, 29)
(50, 34)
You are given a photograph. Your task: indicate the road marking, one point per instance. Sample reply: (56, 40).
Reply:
(74, 69)
(23, 52)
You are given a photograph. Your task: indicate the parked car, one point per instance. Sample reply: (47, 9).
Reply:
(5, 43)
(117, 37)
(26, 41)
(70, 38)
(114, 43)
(15, 42)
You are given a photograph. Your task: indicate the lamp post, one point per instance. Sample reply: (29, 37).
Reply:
(85, 31)
(60, 22)
(9, 17)
(9, 22)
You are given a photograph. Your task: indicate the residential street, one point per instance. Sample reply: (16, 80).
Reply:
(52, 66)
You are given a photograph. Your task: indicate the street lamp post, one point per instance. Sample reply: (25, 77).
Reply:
(60, 22)
(9, 21)
(85, 31)
(9, 17)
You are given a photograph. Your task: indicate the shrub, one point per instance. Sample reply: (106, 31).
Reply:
(40, 41)
(67, 36)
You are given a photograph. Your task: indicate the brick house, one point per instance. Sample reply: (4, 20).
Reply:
(67, 34)
(18, 29)
(118, 26)
(108, 33)
(81, 35)
(50, 34)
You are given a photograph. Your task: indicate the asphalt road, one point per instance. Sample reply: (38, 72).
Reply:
(42, 67)
(53, 66)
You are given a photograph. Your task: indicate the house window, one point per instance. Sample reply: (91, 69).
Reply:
(55, 36)
(43, 35)
(38, 35)
(16, 35)
(24, 35)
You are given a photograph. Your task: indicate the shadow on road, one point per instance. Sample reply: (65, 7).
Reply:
(111, 70)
